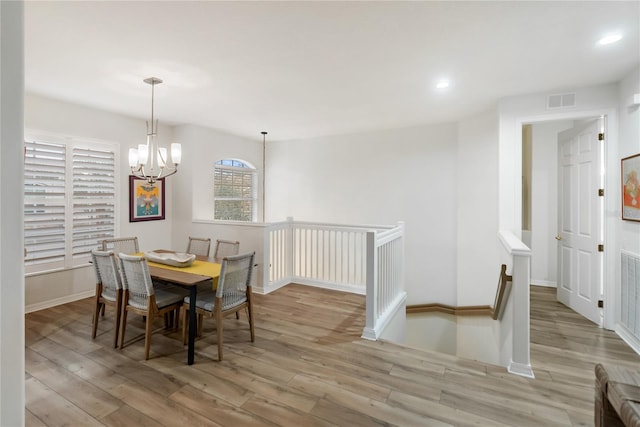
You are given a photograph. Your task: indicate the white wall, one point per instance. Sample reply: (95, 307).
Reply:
(44, 115)
(378, 178)
(628, 232)
(477, 256)
(433, 331)
(629, 122)
(470, 337)
(203, 147)
(12, 376)
(544, 201)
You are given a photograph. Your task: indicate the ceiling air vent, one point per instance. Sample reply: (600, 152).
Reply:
(561, 100)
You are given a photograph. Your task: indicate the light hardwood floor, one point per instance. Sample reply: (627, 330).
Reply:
(307, 367)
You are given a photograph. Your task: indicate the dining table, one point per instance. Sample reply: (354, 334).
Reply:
(202, 274)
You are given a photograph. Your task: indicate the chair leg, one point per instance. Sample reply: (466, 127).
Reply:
(123, 320)
(118, 315)
(173, 319)
(250, 313)
(96, 310)
(219, 331)
(96, 315)
(147, 336)
(200, 325)
(185, 320)
(250, 316)
(168, 320)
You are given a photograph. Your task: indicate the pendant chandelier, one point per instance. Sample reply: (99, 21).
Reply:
(149, 161)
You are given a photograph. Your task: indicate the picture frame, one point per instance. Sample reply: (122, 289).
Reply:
(146, 202)
(630, 183)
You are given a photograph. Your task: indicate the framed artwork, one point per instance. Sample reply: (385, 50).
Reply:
(146, 201)
(630, 168)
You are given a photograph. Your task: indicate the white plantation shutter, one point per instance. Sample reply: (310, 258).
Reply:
(44, 205)
(70, 202)
(93, 200)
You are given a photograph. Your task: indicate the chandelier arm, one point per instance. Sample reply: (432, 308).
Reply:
(169, 172)
(138, 174)
(163, 173)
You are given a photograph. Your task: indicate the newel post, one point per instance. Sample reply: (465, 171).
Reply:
(372, 288)
(520, 360)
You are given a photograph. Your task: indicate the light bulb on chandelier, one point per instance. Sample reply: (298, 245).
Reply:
(149, 161)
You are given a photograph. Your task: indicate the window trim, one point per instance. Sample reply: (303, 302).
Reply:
(248, 168)
(71, 143)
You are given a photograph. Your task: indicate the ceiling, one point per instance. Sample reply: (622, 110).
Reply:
(307, 69)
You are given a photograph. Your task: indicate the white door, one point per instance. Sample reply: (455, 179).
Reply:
(580, 219)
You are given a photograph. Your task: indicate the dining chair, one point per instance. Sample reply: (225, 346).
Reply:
(232, 295)
(199, 246)
(108, 289)
(126, 245)
(142, 298)
(226, 248)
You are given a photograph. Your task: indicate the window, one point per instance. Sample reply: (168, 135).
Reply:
(235, 191)
(69, 202)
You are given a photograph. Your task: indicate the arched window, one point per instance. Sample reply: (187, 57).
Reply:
(235, 191)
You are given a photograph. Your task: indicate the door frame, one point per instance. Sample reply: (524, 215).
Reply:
(611, 199)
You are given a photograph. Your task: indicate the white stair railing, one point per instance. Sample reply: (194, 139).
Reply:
(360, 259)
(386, 297)
(278, 250)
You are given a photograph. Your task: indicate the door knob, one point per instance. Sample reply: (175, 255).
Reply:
(558, 238)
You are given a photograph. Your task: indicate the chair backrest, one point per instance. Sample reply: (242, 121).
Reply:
(136, 279)
(226, 248)
(125, 245)
(199, 246)
(104, 263)
(235, 279)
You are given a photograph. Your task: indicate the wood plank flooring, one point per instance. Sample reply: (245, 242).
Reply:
(307, 367)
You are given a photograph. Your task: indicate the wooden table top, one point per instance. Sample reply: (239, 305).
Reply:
(179, 277)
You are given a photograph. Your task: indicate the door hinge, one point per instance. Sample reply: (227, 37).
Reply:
(601, 248)
(600, 303)
(601, 137)
(601, 192)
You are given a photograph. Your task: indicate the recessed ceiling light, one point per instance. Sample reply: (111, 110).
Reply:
(610, 38)
(442, 84)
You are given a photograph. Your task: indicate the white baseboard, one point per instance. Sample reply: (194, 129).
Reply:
(58, 301)
(545, 283)
(266, 290)
(360, 290)
(628, 337)
(520, 369)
